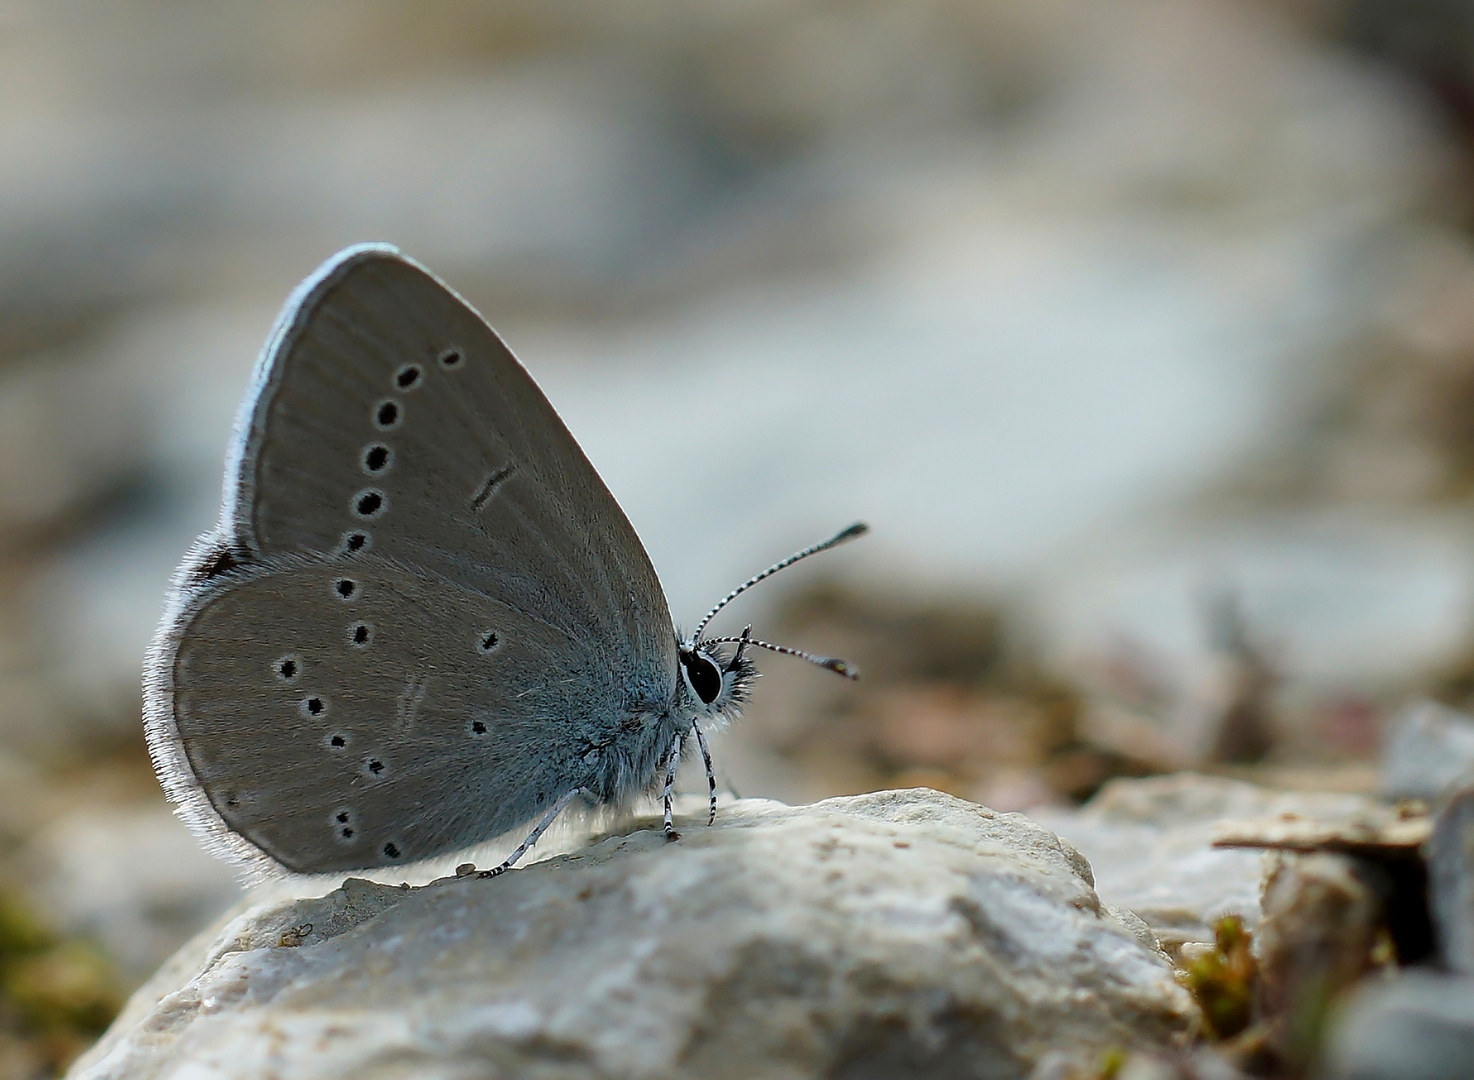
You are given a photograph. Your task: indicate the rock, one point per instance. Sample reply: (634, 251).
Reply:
(1150, 843)
(903, 932)
(1451, 881)
(1416, 1027)
(131, 878)
(1322, 913)
(1430, 747)
(1375, 832)
(1379, 851)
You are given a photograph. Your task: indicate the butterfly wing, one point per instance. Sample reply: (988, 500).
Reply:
(398, 477)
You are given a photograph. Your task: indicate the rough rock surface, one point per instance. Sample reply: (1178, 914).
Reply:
(900, 933)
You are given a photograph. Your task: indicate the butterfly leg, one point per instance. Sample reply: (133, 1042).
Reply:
(711, 776)
(673, 762)
(542, 827)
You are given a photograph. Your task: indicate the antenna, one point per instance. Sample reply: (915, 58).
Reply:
(832, 663)
(859, 528)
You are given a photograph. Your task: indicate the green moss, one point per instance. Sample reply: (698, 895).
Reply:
(56, 995)
(1222, 981)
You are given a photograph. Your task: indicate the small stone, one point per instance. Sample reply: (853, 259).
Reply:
(1451, 881)
(1419, 1026)
(293, 936)
(1430, 748)
(1374, 832)
(1322, 915)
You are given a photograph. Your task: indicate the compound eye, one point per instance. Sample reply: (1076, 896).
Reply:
(704, 677)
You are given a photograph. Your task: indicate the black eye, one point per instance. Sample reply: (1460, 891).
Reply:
(706, 680)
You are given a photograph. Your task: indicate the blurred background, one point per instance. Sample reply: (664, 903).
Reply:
(1141, 333)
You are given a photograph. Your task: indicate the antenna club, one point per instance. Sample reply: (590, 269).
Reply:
(840, 667)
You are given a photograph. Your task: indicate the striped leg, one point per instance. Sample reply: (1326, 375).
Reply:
(673, 762)
(542, 827)
(711, 776)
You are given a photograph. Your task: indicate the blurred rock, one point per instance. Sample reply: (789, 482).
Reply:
(1429, 748)
(1431, 41)
(952, 697)
(1374, 831)
(130, 877)
(900, 933)
(1203, 1065)
(1150, 843)
(50, 472)
(1451, 881)
(1343, 608)
(27, 800)
(1418, 1026)
(1245, 728)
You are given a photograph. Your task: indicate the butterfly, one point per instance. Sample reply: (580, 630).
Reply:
(422, 619)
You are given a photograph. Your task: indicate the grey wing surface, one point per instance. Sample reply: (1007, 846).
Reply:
(393, 440)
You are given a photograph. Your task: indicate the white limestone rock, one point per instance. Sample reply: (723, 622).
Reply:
(899, 933)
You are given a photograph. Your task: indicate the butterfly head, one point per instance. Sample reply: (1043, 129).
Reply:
(716, 683)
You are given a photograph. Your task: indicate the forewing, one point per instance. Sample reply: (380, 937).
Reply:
(389, 414)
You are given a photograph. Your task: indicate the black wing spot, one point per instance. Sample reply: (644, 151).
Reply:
(287, 669)
(377, 458)
(450, 358)
(369, 503)
(489, 641)
(362, 634)
(344, 824)
(337, 741)
(356, 541)
(314, 706)
(490, 486)
(542, 797)
(375, 767)
(391, 850)
(408, 376)
(346, 587)
(478, 727)
(387, 415)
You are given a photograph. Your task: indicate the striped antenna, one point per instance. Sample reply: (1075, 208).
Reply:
(832, 663)
(859, 528)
